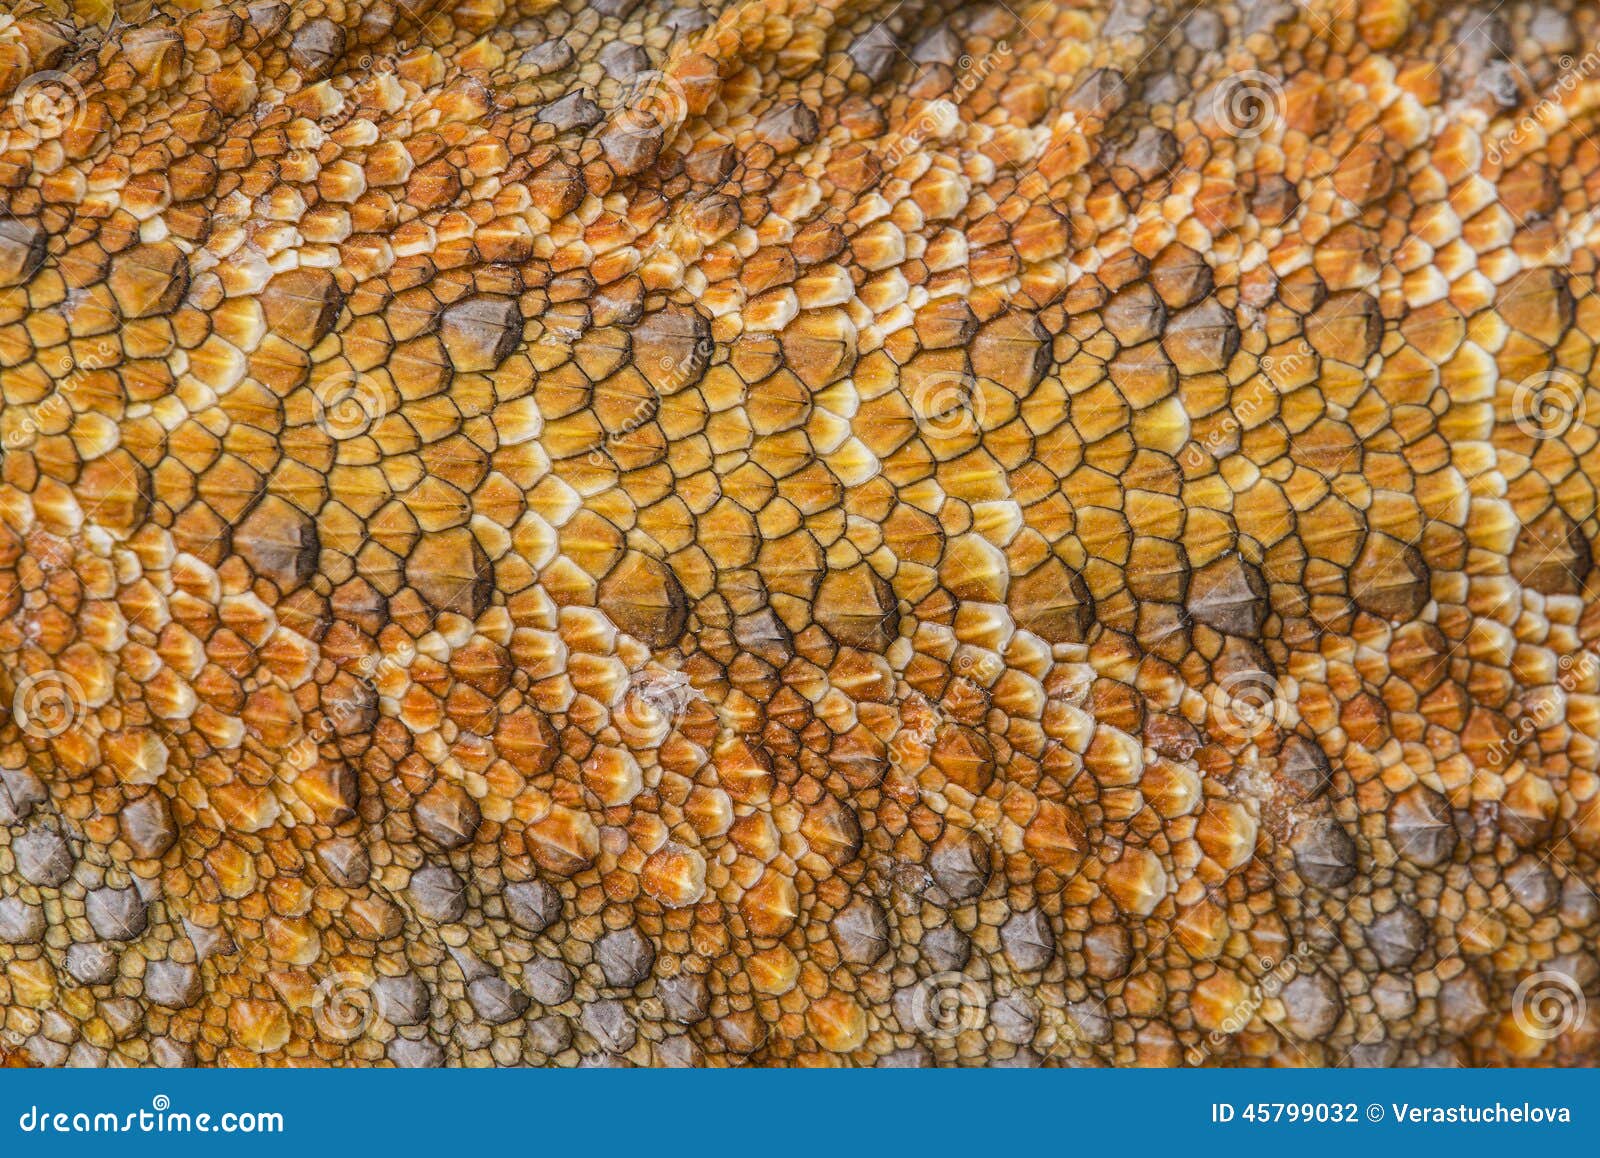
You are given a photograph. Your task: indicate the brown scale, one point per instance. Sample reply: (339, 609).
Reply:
(776, 533)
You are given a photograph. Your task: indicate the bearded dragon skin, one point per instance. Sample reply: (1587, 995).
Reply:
(787, 533)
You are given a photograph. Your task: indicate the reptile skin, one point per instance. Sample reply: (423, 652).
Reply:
(798, 532)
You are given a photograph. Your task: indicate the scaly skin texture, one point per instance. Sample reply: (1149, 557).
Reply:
(793, 533)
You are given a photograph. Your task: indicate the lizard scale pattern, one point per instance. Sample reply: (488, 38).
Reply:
(799, 532)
